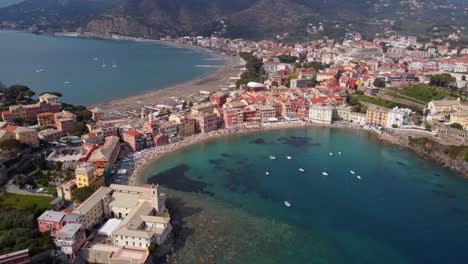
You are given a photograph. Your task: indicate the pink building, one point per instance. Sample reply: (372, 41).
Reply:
(232, 118)
(50, 221)
(70, 239)
(134, 139)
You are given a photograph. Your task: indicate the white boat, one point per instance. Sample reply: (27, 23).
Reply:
(352, 172)
(331, 154)
(103, 64)
(288, 204)
(324, 173)
(95, 58)
(359, 177)
(301, 169)
(339, 153)
(267, 173)
(288, 157)
(67, 82)
(272, 157)
(40, 70)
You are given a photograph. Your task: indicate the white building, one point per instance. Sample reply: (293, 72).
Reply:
(358, 118)
(321, 114)
(142, 210)
(398, 116)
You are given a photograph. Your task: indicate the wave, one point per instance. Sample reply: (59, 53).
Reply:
(209, 66)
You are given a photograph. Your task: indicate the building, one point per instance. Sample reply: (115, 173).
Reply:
(266, 112)
(65, 121)
(206, 122)
(142, 209)
(398, 117)
(50, 221)
(232, 117)
(134, 139)
(85, 176)
(187, 122)
(442, 108)
(97, 114)
(342, 113)
(321, 114)
(17, 257)
(49, 99)
(66, 191)
(377, 116)
(46, 120)
(206, 108)
(94, 209)
(28, 113)
(358, 118)
(106, 155)
(106, 254)
(218, 98)
(70, 239)
(460, 118)
(50, 134)
(27, 136)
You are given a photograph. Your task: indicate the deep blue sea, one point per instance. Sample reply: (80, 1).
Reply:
(404, 209)
(73, 66)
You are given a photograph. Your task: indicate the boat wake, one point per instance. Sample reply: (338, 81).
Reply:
(208, 66)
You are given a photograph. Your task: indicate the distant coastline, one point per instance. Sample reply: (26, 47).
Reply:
(210, 82)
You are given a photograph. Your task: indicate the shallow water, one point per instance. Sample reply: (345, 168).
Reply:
(403, 210)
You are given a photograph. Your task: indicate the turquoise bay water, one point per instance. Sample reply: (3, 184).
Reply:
(140, 66)
(403, 210)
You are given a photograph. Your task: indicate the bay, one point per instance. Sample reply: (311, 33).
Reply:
(404, 209)
(75, 66)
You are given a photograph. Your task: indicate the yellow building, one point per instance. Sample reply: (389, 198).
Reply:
(85, 176)
(206, 108)
(460, 118)
(376, 116)
(27, 136)
(46, 119)
(188, 123)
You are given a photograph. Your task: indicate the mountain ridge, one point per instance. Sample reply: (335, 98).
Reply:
(252, 19)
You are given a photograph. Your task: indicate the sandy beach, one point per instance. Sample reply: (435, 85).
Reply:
(211, 83)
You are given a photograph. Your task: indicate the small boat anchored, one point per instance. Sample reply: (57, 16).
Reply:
(288, 204)
(67, 82)
(267, 173)
(301, 170)
(358, 177)
(272, 157)
(352, 172)
(40, 70)
(288, 157)
(331, 153)
(325, 173)
(339, 153)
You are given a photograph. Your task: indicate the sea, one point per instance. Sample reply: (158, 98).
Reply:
(401, 209)
(90, 71)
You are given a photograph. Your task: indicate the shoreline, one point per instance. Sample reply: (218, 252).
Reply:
(210, 82)
(396, 138)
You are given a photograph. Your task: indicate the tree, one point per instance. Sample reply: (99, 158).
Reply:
(84, 193)
(184, 105)
(427, 126)
(58, 165)
(287, 59)
(153, 248)
(359, 92)
(442, 80)
(463, 78)
(457, 126)
(379, 83)
(395, 126)
(10, 145)
(79, 129)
